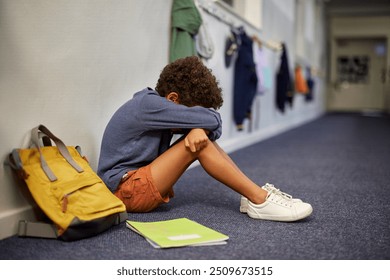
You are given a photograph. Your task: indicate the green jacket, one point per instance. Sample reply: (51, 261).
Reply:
(186, 21)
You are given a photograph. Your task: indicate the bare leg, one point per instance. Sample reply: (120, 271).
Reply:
(226, 156)
(169, 166)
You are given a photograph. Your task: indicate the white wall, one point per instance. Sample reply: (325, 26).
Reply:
(69, 64)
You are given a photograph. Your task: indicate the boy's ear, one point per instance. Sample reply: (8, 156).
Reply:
(173, 96)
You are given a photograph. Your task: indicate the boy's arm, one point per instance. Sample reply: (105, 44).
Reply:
(196, 139)
(158, 113)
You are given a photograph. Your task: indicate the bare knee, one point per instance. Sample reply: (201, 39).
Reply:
(210, 149)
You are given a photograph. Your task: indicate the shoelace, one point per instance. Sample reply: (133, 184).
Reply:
(278, 196)
(271, 188)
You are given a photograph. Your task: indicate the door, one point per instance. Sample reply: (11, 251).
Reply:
(358, 74)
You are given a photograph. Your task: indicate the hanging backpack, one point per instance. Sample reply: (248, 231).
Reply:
(65, 188)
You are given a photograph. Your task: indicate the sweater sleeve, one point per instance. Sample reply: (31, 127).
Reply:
(158, 113)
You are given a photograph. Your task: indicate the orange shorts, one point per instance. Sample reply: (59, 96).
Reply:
(138, 192)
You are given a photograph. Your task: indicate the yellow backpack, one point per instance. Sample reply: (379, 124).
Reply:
(66, 189)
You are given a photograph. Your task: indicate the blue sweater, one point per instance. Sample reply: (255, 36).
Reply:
(141, 130)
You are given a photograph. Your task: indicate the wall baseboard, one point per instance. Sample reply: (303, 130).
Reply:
(238, 143)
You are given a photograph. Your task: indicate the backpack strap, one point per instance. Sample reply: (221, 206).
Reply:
(45, 230)
(45, 139)
(35, 132)
(36, 229)
(15, 163)
(122, 216)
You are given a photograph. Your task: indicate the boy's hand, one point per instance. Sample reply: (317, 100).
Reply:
(196, 140)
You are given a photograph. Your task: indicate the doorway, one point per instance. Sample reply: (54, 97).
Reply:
(358, 74)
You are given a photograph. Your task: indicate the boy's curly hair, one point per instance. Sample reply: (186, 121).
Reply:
(192, 81)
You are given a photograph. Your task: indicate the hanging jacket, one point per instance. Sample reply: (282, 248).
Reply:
(284, 89)
(261, 63)
(186, 21)
(300, 82)
(245, 81)
(232, 45)
(203, 42)
(310, 84)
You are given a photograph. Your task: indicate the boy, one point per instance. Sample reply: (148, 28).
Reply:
(140, 166)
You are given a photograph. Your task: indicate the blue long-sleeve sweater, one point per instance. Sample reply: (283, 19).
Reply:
(141, 129)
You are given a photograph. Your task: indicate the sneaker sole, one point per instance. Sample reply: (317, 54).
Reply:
(279, 218)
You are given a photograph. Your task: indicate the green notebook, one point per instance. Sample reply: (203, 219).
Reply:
(177, 233)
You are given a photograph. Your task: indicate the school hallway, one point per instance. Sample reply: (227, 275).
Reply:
(339, 163)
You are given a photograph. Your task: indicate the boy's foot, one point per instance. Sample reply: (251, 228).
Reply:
(268, 187)
(279, 206)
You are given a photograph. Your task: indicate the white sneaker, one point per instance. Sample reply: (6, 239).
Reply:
(279, 207)
(268, 187)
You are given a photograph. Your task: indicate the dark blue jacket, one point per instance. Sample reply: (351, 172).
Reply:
(245, 80)
(310, 84)
(284, 88)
